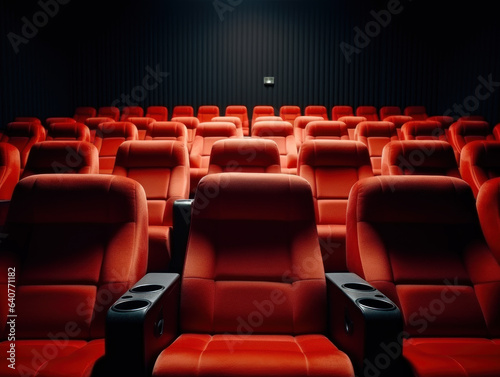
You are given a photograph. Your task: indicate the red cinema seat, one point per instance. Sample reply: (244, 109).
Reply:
(369, 112)
(326, 130)
(341, 111)
(399, 121)
(261, 111)
(419, 157)
(206, 135)
(23, 135)
(446, 121)
(191, 124)
(480, 162)
(487, 204)
(418, 240)
(68, 131)
(52, 120)
(463, 132)
(235, 120)
(282, 134)
(108, 138)
(183, 111)
(316, 111)
(375, 135)
(242, 113)
(290, 113)
(109, 112)
(244, 156)
(270, 118)
(472, 117)
(174, 131)
(10, 170)
(131, 111)
(416, 112)
(93, 124)
(28, 120)
(496, 132)
(423, 130)
(83, 112)
(162, 168)
(144, 126)
(387, 111)
(75, 244)
(69, 157)
(257, 227)
(158, 113)
(331, 167)
(206, 113)
(351, 122)
(299, 127)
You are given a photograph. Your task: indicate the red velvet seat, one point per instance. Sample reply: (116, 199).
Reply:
(206, 113)
(463, 132)
(290, 113)
(131, 111)
(144, 126)
(158, 113)
(191, 124)
(399, 121)
(446, 121)
(416, 112)
(77, 243)
(52, 120)
(326, 130)
(269, 118)
(183, 111)
(174, 131)
(387, 111)
(369, 112)
(55, 157)
(282, 134)
(68, 131)
(419, 241)
(419, 157)
(351, 122)
(242, 113)
(331, 167)
(480, 162)
(83, 112)
(496, 132)
(10, 169)
(488, 208)
(23, 135)
(162, 168)
(316, 111)
(246, 308)
(375, 135)
(423, 130)
(299, 128)
(108, 138)
(261, 111)
(341, 111)
(235, 120)
(244, 155)
(93, 124)
(112, 112)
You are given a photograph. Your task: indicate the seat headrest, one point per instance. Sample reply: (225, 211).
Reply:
(329, 153)
(272, 129)
(189, 122)
(421, 154)
(216, 129)
(483, 153)
(151, 154)
(303, 120)
(376, 129)
(116, 129)
(245, 152)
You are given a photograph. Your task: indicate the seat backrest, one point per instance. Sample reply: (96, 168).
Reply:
(419, 241)
(480, 162)
(206, 113)
(463, 132)
(244, 156)
(260, 111)
(235, 120)
(488, 208)
(68, 131)
(369, 112)
(174, 131)
(351, 122)
(423, 130)
(316, 111)
(191, 124)
(386, 111)
(93, 124)
(52, 120)
(446, 121)
(131, 111)
(83, 112)
(290, 113)
(282, 134)
(10, 169)
(112, 112)
(55, 157)
(299, 127)
(108, 138)
(419, 157)
(399, 121)
(144, 126)
(158, 113)
(242, 113)
(270, 118)
(341, 111)
(416, 112)
(77, 242)
(245, 248)
(23, 135)
(207, 134)
(326, 130)
(28, 120)
(183, 111)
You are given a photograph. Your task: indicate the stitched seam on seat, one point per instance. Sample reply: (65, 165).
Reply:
(201, 355)
(303, 354)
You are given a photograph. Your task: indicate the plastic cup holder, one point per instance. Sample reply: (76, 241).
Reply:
(358, 287)
(376, 304)
(128, 296)
(131, 305)
(147, 288)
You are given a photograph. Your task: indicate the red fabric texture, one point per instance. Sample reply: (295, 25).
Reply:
(65, 131)
(10, 167)
(158, 113)
(341, 111)
(144, 126)
(326, 130)
(23, 135)
(369, 112)
(480, 162)
(423, 130)
(316, 111)
(242, 113)
(93, 124)
(488, 208)
(299, 127)
(290, 113)
(52, 120)
(83, 112)
(206, 113)
(463, 132)
(182, 111)
(131, 111)
(387, 111)
(235, 120)
(351, 122)
(261, 110)
(174, 131)
(416, 112)
(112, 112)
(191, 124)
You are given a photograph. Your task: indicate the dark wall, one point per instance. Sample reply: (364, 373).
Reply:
(186, 52)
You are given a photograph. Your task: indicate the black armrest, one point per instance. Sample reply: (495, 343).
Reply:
(141, 323)
(181, 218)
(366, 325)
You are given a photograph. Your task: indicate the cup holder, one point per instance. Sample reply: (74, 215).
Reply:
(358, 287)
(131, 305)
(376, 304)
(147, 288)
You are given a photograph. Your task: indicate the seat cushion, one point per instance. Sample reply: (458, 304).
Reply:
(159, 248)
(453, 357)
(57, 357)
(332, 243)
(252, 355)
